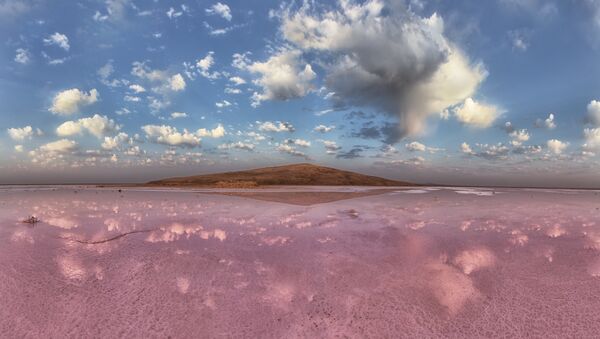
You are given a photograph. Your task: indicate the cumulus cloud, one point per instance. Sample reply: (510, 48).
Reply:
(466, 148)
(205, 64)
(386, 57)
(238, 145)
(178, 115)
(221, 10)
(97, 125)
(59, 40)
(20, 134)
(111, 143)
(556, 146)
(282, 77)
(476, 114)
(592, 138)
(497, 151)
(548, 123)
(416, 146)
(216, 132)
(298, 142)
(593, 113)
(285, 148)
(177, 83)
(323, 128)
(278, 126)
(70, 101)
(168, 135)
(60, 146)
(22, 56)
(137, 88)
(167, 83)
(519, 137)
(237, 80)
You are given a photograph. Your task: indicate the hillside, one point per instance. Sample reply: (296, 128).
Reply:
(296, 174)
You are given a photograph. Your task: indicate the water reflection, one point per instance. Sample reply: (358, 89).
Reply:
(424, 258)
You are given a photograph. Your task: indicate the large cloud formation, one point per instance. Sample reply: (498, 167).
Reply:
(382, 55)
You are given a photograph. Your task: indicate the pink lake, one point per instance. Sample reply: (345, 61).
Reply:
(414, 263)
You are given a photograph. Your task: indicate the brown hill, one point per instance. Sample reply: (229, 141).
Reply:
(297, 174)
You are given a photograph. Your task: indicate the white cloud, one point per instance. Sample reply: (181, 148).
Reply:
(72, 100)
(593, 112)
(20, 134)
(256, 136)
(230, 90)
(285, 148)
(487, 151)
(476, 114)
(19, 148)
(548, 123)
(22, 56)
(168, 135)
(298, 142)
(466, 148)
(278, 126)
(172, 13)
(220, 9)
(60, 146)
(59, 40)
(556, 146)
(97, 125)
(178, 115)
(132, 98)
(137, 88)
(177, 83)
(204, 66)
(111, 143)
(324, 129)
(282, 77)
(592, 138)
(99, 17)
(241, 60)
(222, 104)
(331, 147)
(386, 57)
(238, 145)
(519, 40)
(216, 132)
(519, 137)
(237, 80)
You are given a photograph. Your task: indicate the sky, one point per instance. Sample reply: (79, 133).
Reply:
(499, 92)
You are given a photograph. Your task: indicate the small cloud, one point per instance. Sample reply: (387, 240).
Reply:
(59, 40)
(221, 10)
(324, 129)
(278, 126)
(556, 146)
(178, 115)
(548, 123)
(22, 56)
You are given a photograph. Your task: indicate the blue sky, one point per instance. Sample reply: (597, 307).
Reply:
(501, 92)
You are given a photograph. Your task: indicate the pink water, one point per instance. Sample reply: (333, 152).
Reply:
(419, 263)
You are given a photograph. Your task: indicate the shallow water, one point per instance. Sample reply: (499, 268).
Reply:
(414, 262)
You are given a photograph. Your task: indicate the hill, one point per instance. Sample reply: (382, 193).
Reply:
(296, 174)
